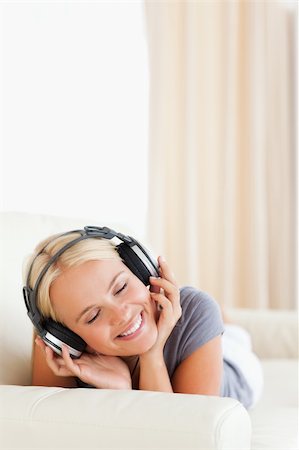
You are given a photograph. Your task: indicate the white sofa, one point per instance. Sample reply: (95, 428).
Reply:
(56, 418)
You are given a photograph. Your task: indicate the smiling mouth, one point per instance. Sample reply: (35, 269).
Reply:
(134, 328)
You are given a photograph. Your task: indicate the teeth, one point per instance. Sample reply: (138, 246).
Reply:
(134, 327)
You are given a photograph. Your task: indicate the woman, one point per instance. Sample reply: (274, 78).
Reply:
(139, 334)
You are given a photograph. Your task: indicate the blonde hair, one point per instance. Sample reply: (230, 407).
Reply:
(91, 249)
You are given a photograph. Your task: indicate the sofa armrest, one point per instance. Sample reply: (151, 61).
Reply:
(43, 417)
(274, 333)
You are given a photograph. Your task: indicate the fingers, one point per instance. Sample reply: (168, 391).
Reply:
(69, 362)
(165, 291)
(154, 289)
(168, 305)
(40, 343)
(56, 363)
(161, 283)
(167, 280)
(165, 271)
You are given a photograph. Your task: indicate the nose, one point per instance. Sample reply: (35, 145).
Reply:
(118, 313)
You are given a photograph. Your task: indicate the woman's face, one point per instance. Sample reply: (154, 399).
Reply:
(108, 306)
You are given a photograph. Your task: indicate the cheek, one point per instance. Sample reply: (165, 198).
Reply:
(138, 293)
(97, 342)
(92, 335)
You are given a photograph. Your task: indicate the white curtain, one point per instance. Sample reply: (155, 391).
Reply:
(222, 147)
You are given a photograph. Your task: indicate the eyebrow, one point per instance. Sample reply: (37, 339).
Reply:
(88, 308)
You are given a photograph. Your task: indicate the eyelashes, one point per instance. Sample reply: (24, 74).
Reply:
(98, 312)
(121, 289)
(94, 318)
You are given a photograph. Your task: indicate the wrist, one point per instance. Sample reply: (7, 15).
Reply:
(112, 381)
(120, 385)
(152, 356)
(125, 385)
(153, 372)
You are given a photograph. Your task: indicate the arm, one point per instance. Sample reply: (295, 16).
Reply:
(153, 374)
(165, 293)
(201, 372)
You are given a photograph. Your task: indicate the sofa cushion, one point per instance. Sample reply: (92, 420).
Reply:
(274, 333)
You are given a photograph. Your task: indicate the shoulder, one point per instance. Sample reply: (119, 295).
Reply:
(197, 305)
(200, 322)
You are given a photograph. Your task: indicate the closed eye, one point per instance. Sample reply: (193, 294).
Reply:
(98, 312)
(93, 318)
(121, 289)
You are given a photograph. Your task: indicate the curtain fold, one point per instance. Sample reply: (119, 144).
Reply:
(221, 148)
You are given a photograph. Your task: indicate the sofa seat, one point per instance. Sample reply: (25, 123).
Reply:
(275, 418)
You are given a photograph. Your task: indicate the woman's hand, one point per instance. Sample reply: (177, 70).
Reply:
(166, 294)
(101, 371)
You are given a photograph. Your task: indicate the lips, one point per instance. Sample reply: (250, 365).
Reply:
(133, 329)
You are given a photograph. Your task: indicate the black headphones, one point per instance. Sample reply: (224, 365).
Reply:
(134, 256)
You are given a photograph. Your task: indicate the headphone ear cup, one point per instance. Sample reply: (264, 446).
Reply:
(133, 262)
(65, 335)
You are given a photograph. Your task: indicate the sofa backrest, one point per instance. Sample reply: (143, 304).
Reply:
(19, 234)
